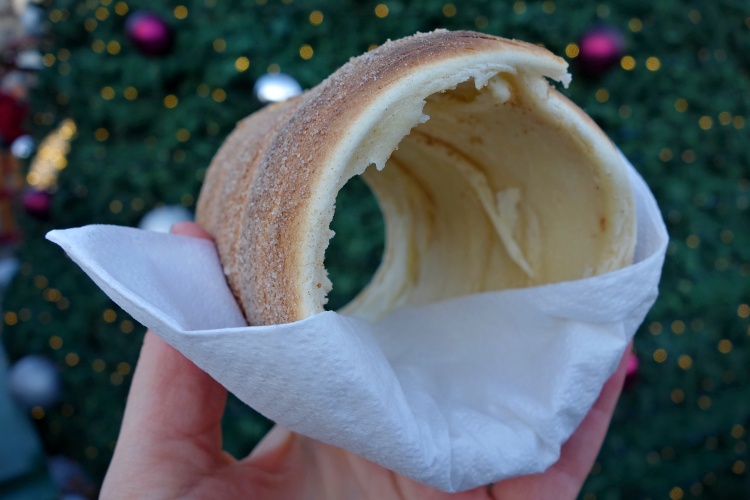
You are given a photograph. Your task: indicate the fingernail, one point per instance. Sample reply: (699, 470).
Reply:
(273, 440)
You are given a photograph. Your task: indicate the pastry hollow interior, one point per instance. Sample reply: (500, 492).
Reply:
(488, 193)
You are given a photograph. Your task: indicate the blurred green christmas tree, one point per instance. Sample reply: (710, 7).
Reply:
(147, 126)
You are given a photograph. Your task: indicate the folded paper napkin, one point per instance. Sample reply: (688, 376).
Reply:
(456, 395)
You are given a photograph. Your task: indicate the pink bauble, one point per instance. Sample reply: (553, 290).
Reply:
(633, 364)
(600, 49)
(149, 33)
(37, 203)
(631, 370)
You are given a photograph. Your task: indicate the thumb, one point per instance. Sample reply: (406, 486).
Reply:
(173, 414)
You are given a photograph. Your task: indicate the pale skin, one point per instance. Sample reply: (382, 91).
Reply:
(170, 446)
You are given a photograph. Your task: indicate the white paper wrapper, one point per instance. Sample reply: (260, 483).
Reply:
(456, 395)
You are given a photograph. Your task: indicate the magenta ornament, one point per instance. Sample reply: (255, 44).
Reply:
(632, 369)
(149, 33)
(37, 202)
(600, 49)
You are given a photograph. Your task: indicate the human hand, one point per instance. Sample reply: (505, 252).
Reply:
(170, 446)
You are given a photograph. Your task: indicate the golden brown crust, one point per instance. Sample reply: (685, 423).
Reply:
(225, 192)
(263, 184)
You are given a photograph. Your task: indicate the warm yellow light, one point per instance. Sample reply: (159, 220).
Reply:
(381, 10)
(688, 156)
(725, 346)
(121, 8)
(51, 158)
(655, 328)
(11, 318)
(449, 10)
(55, 342)
(316, 18)
(660, 355)
(219, 95)
(183, 135)
(109, 315)
(171, 101)
(107, 93)
(101, 134)
(665, 154)
(242, 64)
(705, 122)
(678, 396)
(306, 52)
(738, 431)
(685, 362)
(572, 50)
(653, 63)
(72, 359)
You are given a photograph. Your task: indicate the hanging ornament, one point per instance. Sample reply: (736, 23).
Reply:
(149, 33)
(161, 219)
(13, 111)
(31, 19)
(276, 87)
(601, 48)
(34, 381)
(30, 60)
(37, 202)
(631, 370)
(23, 147)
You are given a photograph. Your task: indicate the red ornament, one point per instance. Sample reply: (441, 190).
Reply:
(12, 119)
(600, 50)
(149, 33)
(37, 203)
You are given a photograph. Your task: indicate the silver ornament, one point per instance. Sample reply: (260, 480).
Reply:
(30, 60)
(31, 20)
(34, 381)
(22, 147)
(276, 87)
(161, 219)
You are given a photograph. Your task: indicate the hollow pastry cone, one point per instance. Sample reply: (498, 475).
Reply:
(488, 178)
